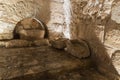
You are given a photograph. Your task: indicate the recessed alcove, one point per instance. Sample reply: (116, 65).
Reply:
(30, 29)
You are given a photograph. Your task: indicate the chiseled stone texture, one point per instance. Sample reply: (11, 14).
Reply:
(56, 22)
(51, 12)
(116, 59)
(105, 17)
(18, 62)
(12, 11)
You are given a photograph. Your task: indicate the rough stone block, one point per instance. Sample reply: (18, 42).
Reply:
(17, 43)
(41, 42)
(32, 34)
(22, 62)
(5, 36)
(78, 48)
(59, 43)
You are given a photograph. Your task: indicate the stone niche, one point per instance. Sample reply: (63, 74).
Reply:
(29, 29)
(51, 12)
(14, 13)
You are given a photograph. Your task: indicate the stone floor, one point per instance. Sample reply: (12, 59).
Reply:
(44, 63)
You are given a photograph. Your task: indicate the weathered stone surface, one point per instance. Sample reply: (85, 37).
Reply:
(100, 31)
(89, 74)
(30, 29)
(17, 43)
(41, 42)
(5, 36)
(43, 63)
(101, 16)
(59, 43)
(116, 59)
(113, 38)
(115, 12)
(56, 23)
(78, 48)
(32, 34)
(17, 62)
(13, 11)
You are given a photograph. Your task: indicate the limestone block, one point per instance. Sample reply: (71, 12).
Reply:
(30, 29)
(32, 34)
(57, 13)
(58, 0)
(113, 38)
(4, 36)
(110, 49)
(56, 30)
(59, 43)
(115, 15)
(100, 32)
(78, 48)
(41, 42)
(17, 43)
(24, 43)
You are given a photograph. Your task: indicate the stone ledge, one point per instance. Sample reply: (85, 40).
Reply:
(17, 43)
(5, 36)
(17, 62)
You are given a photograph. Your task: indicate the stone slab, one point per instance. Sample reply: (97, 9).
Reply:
(17, 62)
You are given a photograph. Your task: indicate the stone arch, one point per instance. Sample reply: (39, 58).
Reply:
(30, 29)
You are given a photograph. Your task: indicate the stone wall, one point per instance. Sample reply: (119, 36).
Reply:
(103, 16)
(51, 12)
(104, 13)
(12, 11)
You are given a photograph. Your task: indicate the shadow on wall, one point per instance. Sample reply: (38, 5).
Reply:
(44, 12)
(99, 55)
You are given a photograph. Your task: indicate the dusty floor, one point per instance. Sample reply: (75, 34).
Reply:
(44, 63)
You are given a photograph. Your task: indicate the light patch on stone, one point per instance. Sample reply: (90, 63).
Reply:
(6, 27)
(107, 6)
(100, 32)
(116, 60)
(1, 30)
(97, 2)
(110, 49)
(113, 38)
(116, 13)
(102, 8)
(92, 7)
(58, 28)
(67, 13)
(1, 13)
